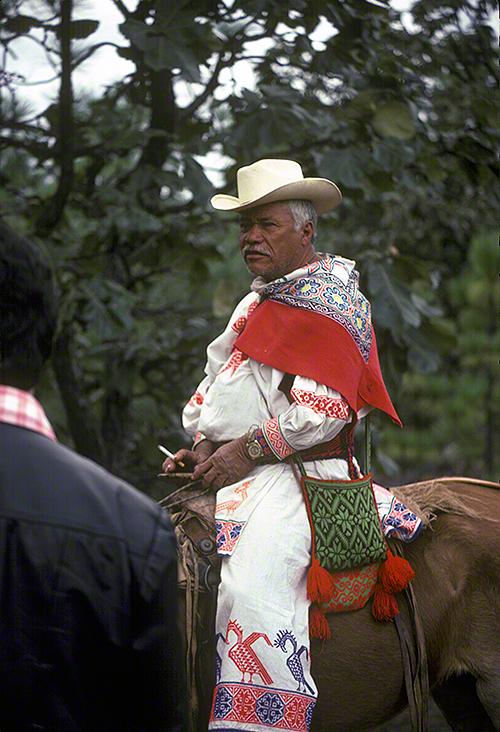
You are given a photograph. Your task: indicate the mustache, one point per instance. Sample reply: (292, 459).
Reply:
(251, 249)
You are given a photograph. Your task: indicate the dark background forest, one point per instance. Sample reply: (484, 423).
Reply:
(403, 116)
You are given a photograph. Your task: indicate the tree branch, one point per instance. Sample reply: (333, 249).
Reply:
(89, 51)
(43, 44)
(122, 8)
(209, 87)
(38, 149)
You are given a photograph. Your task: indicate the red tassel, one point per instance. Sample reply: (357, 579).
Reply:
(385, 605)
(320, 583)
(318, 623)
(395, 573)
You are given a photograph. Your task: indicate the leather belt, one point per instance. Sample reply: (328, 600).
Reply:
(340, 447)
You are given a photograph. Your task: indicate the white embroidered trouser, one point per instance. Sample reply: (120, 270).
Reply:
(263, 668)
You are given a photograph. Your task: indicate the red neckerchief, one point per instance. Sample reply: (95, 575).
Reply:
(21, 409)
(316, 326)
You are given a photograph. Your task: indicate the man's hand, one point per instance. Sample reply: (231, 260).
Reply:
(190, 458)
(227, 465)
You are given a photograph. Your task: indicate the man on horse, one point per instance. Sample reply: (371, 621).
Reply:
(292, 373)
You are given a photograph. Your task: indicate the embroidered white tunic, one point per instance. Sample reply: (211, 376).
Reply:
(263, 534)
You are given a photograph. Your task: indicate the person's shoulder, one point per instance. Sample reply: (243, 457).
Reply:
(135, 518)
(68, 459)
(49, 482)
(129, 501)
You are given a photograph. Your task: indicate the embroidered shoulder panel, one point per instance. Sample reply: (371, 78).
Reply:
(321, 291)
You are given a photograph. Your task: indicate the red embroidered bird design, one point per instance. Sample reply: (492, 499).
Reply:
(244, 657)
(231, 505)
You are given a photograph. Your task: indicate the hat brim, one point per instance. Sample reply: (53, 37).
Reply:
(323, 194)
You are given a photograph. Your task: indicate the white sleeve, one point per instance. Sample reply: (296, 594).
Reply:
(218, 353)
(316, 415)
(192, 410)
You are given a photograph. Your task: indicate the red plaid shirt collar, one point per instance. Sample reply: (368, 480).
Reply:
(23, 410)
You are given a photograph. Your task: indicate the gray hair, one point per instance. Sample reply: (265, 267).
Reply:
(302, 212)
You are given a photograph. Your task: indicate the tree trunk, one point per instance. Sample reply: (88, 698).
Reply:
(81, 421)
(53, 211)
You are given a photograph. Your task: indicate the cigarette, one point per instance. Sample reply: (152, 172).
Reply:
(170, 455)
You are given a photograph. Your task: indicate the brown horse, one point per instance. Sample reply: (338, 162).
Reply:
(359, 672)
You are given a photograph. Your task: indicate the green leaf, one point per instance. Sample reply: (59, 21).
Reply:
(425, 307)
(484, 255)
(423, 360)
(21, 24)
(391, 295)
(394, 119)
(345, 165)
(197, 181)
(158, 53)
(274, 91)
(187, 62)
(391, 154)
(433, 168)
(127, 52)
(83, 28)
(136, 32)
(382, 182)
(230, 30)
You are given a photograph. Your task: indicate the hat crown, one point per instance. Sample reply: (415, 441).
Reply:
(264, 176)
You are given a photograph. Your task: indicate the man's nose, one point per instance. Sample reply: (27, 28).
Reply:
(253, 234)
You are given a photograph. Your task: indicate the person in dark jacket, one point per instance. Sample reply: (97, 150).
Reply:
(88, 638)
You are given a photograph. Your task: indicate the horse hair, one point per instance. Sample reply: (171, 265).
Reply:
(429, 497)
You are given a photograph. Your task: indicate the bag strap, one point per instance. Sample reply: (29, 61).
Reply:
(368, 443)
(297, 461)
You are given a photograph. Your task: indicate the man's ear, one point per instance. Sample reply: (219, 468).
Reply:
(307, 233)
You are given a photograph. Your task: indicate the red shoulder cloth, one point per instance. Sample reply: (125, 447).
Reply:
(309, 344)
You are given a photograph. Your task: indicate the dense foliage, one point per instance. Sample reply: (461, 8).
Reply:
(400, 115)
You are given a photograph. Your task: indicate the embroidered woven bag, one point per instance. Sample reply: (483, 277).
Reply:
(347, 539)
(344, 521)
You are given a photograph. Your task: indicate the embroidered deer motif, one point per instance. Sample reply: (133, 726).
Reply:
(244, 657)
(294, 662)
(231, 505)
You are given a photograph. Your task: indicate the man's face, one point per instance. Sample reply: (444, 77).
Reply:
(269, 243)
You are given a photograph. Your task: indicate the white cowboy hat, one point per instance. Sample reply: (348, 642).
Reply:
(268, 181)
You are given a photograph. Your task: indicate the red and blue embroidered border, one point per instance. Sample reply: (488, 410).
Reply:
(401, 522)
(262, 705)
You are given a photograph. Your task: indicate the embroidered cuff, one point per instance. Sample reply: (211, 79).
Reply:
(199, 437)
(274, 438)
(261, 439)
